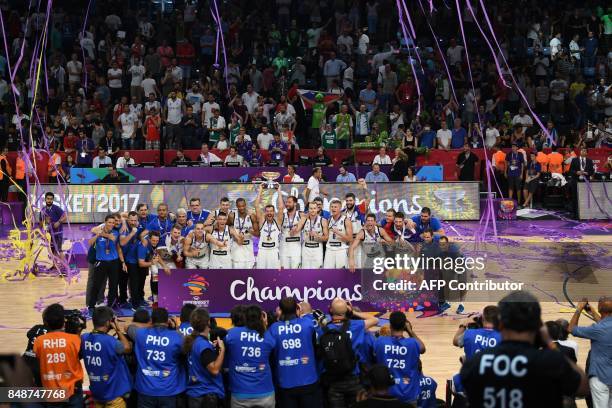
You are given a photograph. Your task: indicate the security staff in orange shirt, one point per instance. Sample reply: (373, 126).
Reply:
(54, 165)
(555, 161)
(5, 174)
(58, 357)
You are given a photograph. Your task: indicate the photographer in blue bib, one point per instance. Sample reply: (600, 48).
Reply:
(110, 381)
(479, 334)
(161, 377)
(205, 363)
(248, 361)
(341, 347)
(400, 352)
(294, 357)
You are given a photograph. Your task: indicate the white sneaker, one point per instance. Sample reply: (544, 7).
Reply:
(100, 304)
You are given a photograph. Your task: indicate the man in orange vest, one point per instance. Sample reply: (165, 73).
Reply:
(54, 165)
(555, 161)
(5, 174)
(498, 160)
(542, 159)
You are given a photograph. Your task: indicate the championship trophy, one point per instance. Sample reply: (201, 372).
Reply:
(270, 176)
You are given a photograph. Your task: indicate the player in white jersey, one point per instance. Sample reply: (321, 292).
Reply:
(355, 215)
(268, 220)
(245, 224)
(224, 207)
(196, 248)
(171, 252)
(291, 238)
(340, 236)
(221, 252)
(315, 232)
(368, 241)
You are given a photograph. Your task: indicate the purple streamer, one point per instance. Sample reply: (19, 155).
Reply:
(416, 79)
(442, 56)
(518, 88)
(490, 213)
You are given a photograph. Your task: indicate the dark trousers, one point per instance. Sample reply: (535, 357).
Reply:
(140, 279)
(124, 282)
(205, 401)
(132, 279)
(343, 393)
(146, 401)
(300, 397)
(106, 270)
(4, 186)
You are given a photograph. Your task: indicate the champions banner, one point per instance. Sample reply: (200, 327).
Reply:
(221, 290)
(90, 203)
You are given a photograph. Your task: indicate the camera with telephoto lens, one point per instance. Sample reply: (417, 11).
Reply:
(75, 321)
(476, 323)
(320, 317)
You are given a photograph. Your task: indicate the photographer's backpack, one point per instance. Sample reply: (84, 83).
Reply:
(336, 351)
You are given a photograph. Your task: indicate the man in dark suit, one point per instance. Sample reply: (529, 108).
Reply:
(581, 168)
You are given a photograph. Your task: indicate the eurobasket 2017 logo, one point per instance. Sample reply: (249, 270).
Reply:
(197, 285)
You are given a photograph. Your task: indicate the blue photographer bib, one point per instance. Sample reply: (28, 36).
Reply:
(401, 355)
(109, 377)
(185, 329)
(248, 352)
(160, 370)
(295, 361)
(476, 340)
(201, 381)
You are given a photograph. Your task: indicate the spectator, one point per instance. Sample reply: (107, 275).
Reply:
(368, 97)
(466, 161)
(292, 176)
(376, 176)
(173, 114)
(444, 137)
(127, 122)
(233, 157)
(190, 127)
(382, 157)
(101, 160)
(206, 157)
(125, 161)
(180, 158)
(344, 176)
(458, 135)
(321, 159)
(400, 167)
(278, 150)
(151, 129)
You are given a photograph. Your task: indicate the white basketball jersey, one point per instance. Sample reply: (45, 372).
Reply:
(223, 236)
(334, 242)
(288, 224)
(269, 235)
(315, 226)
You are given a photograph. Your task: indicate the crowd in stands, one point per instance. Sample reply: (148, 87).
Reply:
(137, 76)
